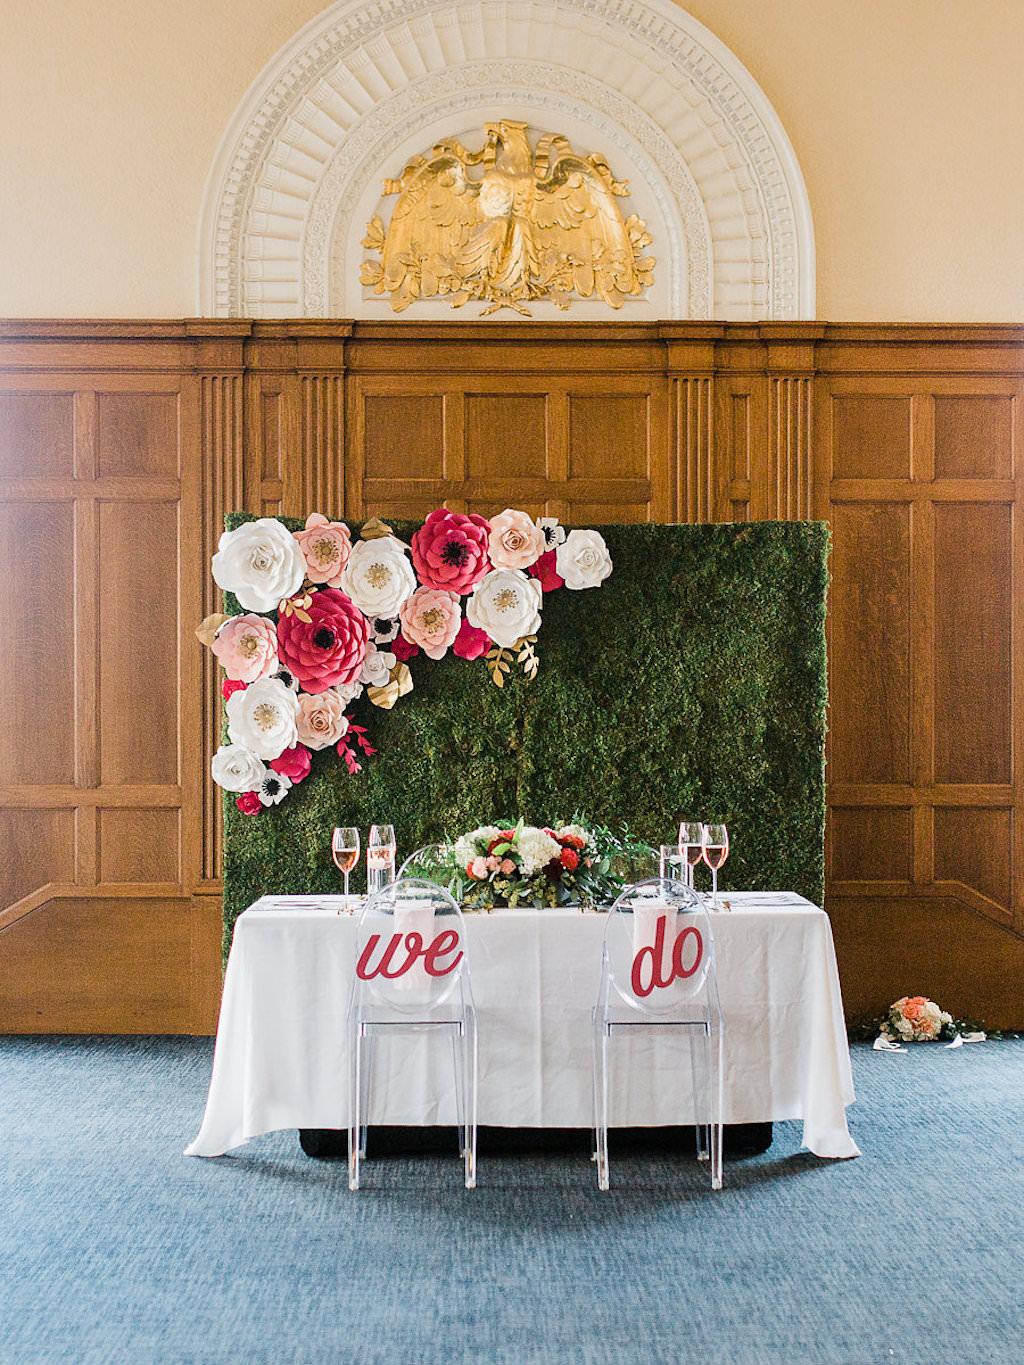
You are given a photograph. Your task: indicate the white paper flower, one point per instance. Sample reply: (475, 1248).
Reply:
(536, 849)
(274, 788)
(349, 692)
(384, 629)
(583, 560)
(261, 562)
(553, 533)
(377, 666)
(378, 577)
(506, 604)
(264, 718)
(237, 769)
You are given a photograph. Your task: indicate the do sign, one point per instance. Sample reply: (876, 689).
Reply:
(649, 972)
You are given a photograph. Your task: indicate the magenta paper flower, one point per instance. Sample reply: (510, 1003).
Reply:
(545, 572)
(246, 647)
(431, 619)
(471, 643)
(515, 542)
(294, 763)
(328, 647)
(326, 546)
(449, 551)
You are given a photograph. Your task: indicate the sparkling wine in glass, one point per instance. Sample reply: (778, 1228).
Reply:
(715, 852)
(380, 857)
(691, 846)
(345, 850)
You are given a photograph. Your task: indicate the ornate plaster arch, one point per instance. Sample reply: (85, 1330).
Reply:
(371, 81)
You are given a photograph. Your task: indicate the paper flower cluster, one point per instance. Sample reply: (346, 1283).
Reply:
(326, 620)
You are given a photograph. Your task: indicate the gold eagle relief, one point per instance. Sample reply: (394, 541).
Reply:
(507, 226)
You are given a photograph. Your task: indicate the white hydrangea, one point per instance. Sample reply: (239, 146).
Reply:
(573, 831)
(536, 849)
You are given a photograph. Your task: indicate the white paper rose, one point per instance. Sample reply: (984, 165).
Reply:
(583, 560)
(506, 604)
(377, 666)
(260, 563)
(378, 576)
(263, 717)
(237, 769)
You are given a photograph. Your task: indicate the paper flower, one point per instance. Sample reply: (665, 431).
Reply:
(515, 542)
(545, 572)
(553, 533)
(294, 763)
(506, 604)
(377, 666)
(405, 649)
(228, 686)
(263, 718)
(471, 643)
(431, 619)
(378, 577)
(274, 788)
(329, 646)
(236, 768)
(326, 547)
(449, 551)
(260, 563)
(321, 721)
(384, 629)
(249, 803)
(246, 647)
(583, 560)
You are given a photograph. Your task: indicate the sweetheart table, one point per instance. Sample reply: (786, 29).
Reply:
(281, 1056)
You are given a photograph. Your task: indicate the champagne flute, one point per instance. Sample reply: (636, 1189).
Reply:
(715, 852)
(691, 846)
(345, 850)
(380, 857)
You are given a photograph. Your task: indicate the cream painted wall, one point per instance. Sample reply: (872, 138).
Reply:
(905, 116)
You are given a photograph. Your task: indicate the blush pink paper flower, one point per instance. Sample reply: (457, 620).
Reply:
(328, 647)
(515, 542)
(321, 721)
(449, 551)
(326, 546)
(294, 763)
(246, 647)
(471, 643)
(431, 619)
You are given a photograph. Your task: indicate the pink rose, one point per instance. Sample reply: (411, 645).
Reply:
(430, 619)
(478, 869)
(403, 649)
(321, 721)
(326, 546)
(507, 866)
(449, 551)
(327, 648)
(493, 863)
(247, 648)
(294, 763)
(515, 541)
(249, 803)
(545, 572)
(471, 643)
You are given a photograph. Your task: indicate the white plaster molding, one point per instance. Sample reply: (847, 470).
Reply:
(641, 79)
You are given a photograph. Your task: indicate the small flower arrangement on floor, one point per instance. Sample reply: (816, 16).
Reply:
(914, 1019)
(529, 865)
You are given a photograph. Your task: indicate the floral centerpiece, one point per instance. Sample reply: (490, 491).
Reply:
(915, 1019)
(527, 865)
(326, 621)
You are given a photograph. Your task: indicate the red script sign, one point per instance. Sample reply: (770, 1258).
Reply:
(442, 946)
(656, 952)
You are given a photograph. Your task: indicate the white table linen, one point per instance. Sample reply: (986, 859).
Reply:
(281, 1056)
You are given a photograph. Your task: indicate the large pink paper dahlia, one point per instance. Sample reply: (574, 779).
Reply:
(329, 648)
(431, 619)
(449, 551)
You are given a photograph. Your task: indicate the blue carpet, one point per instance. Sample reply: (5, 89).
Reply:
(114, 1247)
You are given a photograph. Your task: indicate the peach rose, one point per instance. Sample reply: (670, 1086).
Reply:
(431, 618)
(247, 648)
(321, 719)
(326, 546)
(515, 541)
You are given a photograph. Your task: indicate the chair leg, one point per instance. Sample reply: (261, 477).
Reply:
(470, 1070)
(699, 1081)
(457, 1034)
(601, 1038)
(355, 1110)
(715, 1086)
(366, 1077)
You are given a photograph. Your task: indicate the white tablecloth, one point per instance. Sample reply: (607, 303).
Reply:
(281, 1057)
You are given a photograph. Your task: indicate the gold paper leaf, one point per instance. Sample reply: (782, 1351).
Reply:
(401, 676)
(384, 697)
(303, 617)
(207, 628)
(375, 529)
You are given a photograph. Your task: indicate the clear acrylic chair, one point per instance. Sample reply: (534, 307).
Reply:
(658, 973)
(412, 976)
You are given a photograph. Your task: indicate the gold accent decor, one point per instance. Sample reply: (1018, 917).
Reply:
(398, 684)
(527, 226)
(206, 631)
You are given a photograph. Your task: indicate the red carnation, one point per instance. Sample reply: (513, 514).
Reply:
(449, 550)
(471, 643)
(404, 649)
(544, 570)
(249, 803)
(230, 685)
(329, 648)
(570, 859)
(294, 763)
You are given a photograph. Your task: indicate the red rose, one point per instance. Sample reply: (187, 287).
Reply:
(293, 763)
(571, 841)
(249, 803)
(450, 551)
(230, 685)
(570, 859)
(544, 570)
(404, 649)
(471, 643)
(330, 647)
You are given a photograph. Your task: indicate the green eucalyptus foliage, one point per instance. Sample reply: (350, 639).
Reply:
(691, 684)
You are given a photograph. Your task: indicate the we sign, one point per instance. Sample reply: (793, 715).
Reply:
(688, 941)
(411, 945)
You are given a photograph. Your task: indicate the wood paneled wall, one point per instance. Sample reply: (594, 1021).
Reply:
(122, 445)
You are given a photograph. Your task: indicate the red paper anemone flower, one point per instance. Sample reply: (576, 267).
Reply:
(327, 650)
(449, 551)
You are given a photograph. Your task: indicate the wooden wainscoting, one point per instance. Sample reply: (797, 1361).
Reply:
(123, 444)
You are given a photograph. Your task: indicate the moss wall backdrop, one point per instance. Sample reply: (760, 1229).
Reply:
(691, 684)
